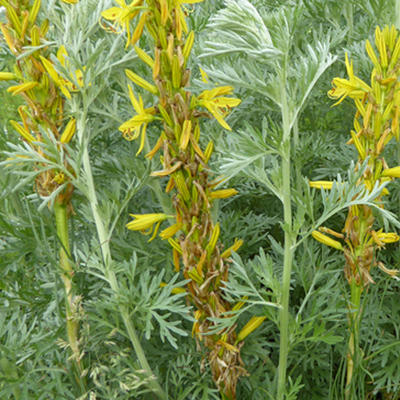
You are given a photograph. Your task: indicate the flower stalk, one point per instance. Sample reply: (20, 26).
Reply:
(67, 272)
(376, 122)
(288, 240)
(193, 235)
(104, 236)
(42, 113)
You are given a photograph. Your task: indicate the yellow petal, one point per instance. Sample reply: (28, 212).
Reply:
(213, 240)
(223, 193)
(170, 231)
(34, 11)
(228, 346)
(204, 76)
(187, 48)
(167, 171)
(217, 115)
(23, 87)
(141, 82)
(144, 57)
(388, 237)
(139, 29)
(175, 245)
(326, 240)
(251, 326)
(235, 247)
(392, 172)
(371, 53)
(326, 185)
(157, 147)
(22, 131)
(185, 136)
(208, 151)
(7, 76)
(69, 131)
(62, 54)
(145, 221)
(112, 13)
(240, 304)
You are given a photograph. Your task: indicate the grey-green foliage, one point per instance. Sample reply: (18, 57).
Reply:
(244, 45)
(275, 43)
(30, 303)
(112, 371)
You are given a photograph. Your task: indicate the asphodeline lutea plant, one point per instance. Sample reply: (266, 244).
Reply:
(376, 122)
(192, 234)
(35, 79)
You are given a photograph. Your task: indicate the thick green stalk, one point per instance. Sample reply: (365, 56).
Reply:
(354, 326)
(288, 247)
(110, 275)
(61, 217)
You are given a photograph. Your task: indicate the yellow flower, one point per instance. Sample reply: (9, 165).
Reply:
(65, 85)
(388, 237)
(251, 326)
(23, 87)
(59, 178)
(326, 240)
(195, 328)
(204, 76)
(62, 56)
(180, 21)
(55, 77)
(353, 87)
(326, 185)
(22, 131)
(146, 221)
(223, 193)
(170, 231)
(135, 78)
(235, 247)
(227, 346)
(240, 303)
(392, 172)
(175, 290)
(7, 76)
(217, 104)
(122, 16)
(69, 131)
(137, 125)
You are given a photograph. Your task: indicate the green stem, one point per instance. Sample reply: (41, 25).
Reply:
(297, 167)
(354, 327)
(110, 275)
(61, 217)
(397, 14)
(288, 247)
(350, 21)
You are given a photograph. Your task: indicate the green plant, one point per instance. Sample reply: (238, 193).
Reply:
(43, 120)
(127, 284)
(378, 109)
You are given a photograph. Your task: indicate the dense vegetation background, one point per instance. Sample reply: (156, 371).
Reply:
(32, 349)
